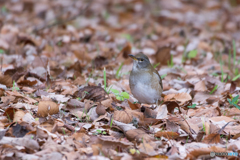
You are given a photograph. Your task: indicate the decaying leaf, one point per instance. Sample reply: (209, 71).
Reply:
(212, 139)
(167, 134)
(94, 93)
(46, 108)
(127, 115)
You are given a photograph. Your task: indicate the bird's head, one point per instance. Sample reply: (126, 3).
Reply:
(140, 61)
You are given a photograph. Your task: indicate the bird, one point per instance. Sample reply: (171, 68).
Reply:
(144, 81)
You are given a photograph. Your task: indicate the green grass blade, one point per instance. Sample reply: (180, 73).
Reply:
(214, 89)
(236, 77)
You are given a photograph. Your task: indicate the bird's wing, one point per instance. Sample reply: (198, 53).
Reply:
(159, 77)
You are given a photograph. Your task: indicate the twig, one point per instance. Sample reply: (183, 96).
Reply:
(220, 130)
(47, 25)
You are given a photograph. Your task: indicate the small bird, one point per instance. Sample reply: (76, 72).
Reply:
(145, 82)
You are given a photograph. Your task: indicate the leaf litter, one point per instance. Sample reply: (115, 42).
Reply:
(64, 70)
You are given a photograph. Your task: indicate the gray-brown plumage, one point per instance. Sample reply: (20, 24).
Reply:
(145, 82)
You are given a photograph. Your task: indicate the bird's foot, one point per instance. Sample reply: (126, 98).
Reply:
(153, 107)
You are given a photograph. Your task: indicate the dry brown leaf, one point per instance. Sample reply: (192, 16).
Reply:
(148, 113)
(18, 115)
(101, 110)
(79, 81)
(180, 97)
(138, 135)
(148, 148)
(134, 106)
(232, 112)
(81, 137)
(9, 112)
(163, 55)
(167, 134)
(123, 55)
(213, 138)
(27, 82)
(207, 112)
(171, 126)
(81, 54)
(94, 93)
(6, 80)
(232, 130)
(46, 108)
(204, 151)
(107, 102)
(200, 86)
(127, 115)
(18, 95)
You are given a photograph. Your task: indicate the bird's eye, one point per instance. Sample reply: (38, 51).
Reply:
(141, 60)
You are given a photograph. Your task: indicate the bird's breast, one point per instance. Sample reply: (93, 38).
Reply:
(142, 90)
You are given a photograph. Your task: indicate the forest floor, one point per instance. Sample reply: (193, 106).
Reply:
(64, 79)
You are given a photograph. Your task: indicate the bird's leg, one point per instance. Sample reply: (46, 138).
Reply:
(154, 107)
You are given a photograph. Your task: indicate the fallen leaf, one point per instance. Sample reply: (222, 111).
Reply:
(94, 93)
(127, 115)
(47, 107)
(167, 134)
(212, 139)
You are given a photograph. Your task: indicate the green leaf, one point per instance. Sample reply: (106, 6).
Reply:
(230, 102)
(2, 51)
(99, 131)
(235, 99)
(237, 106)
(104, 132)
(120, 98)
(125, 95)
(115, 91)
(235, 78)
(192, 54)
(163, 76)
(193, 106)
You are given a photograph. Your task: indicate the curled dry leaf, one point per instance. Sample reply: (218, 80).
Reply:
(9, 112)
(162, 112)
(94, 93)
(26, 142)
(123, 55)
(163, 55)
(138, 135)
(148, 113)
(148, 147)
(107, 102)
(194, 154)
(127, 115)
(6, 80)
(134, 106)
(179, 97)
(18, 115)
(167, 134)
(99, 61)
(47, 107)
(171, 126)
(213, 138)
(171, 105)
(92, 113)
(200, 86)
(101, 110)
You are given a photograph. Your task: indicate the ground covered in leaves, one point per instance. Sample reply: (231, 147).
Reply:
(64, 70)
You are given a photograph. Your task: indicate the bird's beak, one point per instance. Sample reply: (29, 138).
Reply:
(132, 56)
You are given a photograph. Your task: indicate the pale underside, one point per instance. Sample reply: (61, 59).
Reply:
(143, 90)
